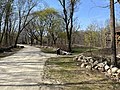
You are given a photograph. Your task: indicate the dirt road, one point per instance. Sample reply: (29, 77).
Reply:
(23, 70)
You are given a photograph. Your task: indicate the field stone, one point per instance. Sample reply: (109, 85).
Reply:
(75, 58)
(109, 72)
(96, 67)
(118, 74)
(95, 63)
(100, 65)
(91, 60)
(83, 65)
(101, 69)
(89, 67)
(77, 64)
(118, 71)
(114, 76)
(90, 63)
(84, 61)
(106, 67)
(114, 69)
(80, 57)
(88, 58)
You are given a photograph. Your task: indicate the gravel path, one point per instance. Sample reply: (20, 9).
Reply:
(23, 70)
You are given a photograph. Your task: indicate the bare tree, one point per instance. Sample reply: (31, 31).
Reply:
(112, 28)
(6, 13)
(118, 1)
(24, 8)
(68, 11)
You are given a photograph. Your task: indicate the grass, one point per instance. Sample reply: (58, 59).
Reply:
(48, 50)
(65, 70)
(77, 50)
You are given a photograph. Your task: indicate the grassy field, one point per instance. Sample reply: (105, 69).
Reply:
(65, 70)
(75, 50)
(48, 50)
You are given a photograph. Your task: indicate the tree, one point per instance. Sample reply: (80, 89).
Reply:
(15, 15)
(2, 9)
(118, 1)
(52, 25)
(24, 8)
(102, 37)
(112, 28)
(5, 22)
(68, 13)
(44, 21)
(91, 36)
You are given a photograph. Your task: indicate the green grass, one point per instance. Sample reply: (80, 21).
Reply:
(77, 50)
(65, 70)
(64, 62)
(48, 50)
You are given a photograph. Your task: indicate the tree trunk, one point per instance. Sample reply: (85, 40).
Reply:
(6, 35)
(16, 40)
(112, 27)
(0, 25)
(68, 38)
(69, 45)
(41, 39)
(4, 29)
(32, 40)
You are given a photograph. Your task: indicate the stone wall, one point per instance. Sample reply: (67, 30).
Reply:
(101, 65)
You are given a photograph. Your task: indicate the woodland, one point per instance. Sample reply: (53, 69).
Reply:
(21, 22)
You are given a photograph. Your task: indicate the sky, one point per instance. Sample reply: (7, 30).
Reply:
(89, 11)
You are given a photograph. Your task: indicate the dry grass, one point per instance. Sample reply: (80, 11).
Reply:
(48, 50)
(65, 70)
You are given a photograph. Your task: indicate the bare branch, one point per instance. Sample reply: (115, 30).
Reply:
(106, 6)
